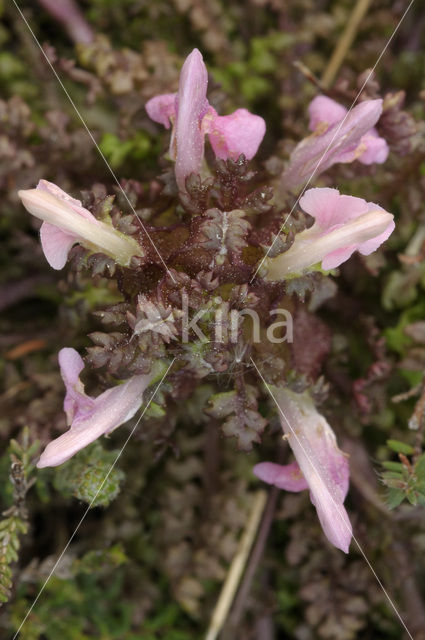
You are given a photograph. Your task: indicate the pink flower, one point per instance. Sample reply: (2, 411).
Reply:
(336, 140)
(192, 118)
(89, 418)
(66, 222)
(325, 112)
(320, 467)
(343, 224)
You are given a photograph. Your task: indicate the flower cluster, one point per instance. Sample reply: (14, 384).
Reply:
(218, 260)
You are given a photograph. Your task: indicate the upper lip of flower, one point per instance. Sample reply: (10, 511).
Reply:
(192, 118)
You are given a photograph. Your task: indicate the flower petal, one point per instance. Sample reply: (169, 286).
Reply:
(71, 364)
(76, 224)
(56, 245)
(323, 465)
(57, 192)
(57, 208)
(333, 517)
(335, 258)
(111, 409)
(371, 148)
(368, 247)
(237, 133)
(76, 401)
(375, 148)
(162, 108)
(288, 477)
(329, 208)
(324, 110)
(191, 106)
(193, 117)
(343, 224)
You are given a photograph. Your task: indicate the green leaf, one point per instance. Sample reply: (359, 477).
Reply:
(394, 498)
(252, 87)
(88, 476)
(114, 149)
(242, 420)
(412, 498)
(155, 411)
(420, 466)
(222, 404)
(400, 447)
(395, 336)
(117, 151)
(393, 466)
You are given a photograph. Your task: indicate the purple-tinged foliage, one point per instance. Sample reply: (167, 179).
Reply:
(188, 490)
(238, 412)
(211, 250)
(208, 309)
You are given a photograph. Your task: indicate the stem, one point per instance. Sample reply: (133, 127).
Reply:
(234, 574)
(345, 41)
(254, 561)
